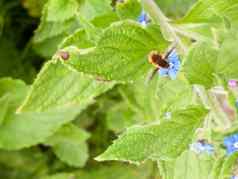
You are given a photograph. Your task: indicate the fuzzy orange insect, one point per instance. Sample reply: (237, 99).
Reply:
(158, 60)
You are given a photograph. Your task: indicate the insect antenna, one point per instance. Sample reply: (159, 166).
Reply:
(169, 52)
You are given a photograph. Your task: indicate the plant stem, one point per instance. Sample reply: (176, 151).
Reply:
(210, 101)
(157, 15)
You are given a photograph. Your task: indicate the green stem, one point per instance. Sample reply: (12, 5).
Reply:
(201, 93)
(157, 15)
(210, 101)
(220, 117)
(191, 35)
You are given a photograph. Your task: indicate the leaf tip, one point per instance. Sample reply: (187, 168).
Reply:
(110, 157)
(103, 157)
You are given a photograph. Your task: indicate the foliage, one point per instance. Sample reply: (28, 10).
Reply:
(75, 89)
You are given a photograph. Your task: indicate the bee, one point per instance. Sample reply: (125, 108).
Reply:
(159, 60)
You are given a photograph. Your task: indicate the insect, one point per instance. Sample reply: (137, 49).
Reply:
(64, 55)
(167, 64)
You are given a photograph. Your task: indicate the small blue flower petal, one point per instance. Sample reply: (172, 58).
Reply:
(163, 71)
(234, 177)
(143, 18)
(231, 143)
(176, 66)
(235, 137)
(173, 74)
(230, 151)
(200, 147)
(228, 141)
(173, 57)
(210, 149)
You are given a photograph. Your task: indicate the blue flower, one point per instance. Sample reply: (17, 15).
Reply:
(234, 177)
(143, 19)
(202, 147)
(231, 143)
(174, 66)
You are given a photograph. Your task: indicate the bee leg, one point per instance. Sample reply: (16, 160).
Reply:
(151, 75)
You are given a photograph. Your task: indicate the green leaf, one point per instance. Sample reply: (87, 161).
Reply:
(22, 164)
(211, 10)
(204, 62)
(142, 98)
(56, 97)
(227, 57)
(129, 9)
(33, 7)
(191, 165)
(4, 103)
(78, 39)
(121, 53)
(173, 95)
(166, 169)
(228, 10)
(156, 141)
(48, 47)
(119, 117)
(59, 176)
(57, 22)
(188, 165)
(60, 20)
(200, 64)
(206, 16)
(12, 92)
(61, 10)
(174, 8)
(93, 33)
(57, 86)
(69, 145)
(32, 127)
(118, 171)
(105, 20)
(90, 9)
(201, 12)
(153, 100)
(12, 64)
(48, 30)
(228, 166)
(216, 168)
